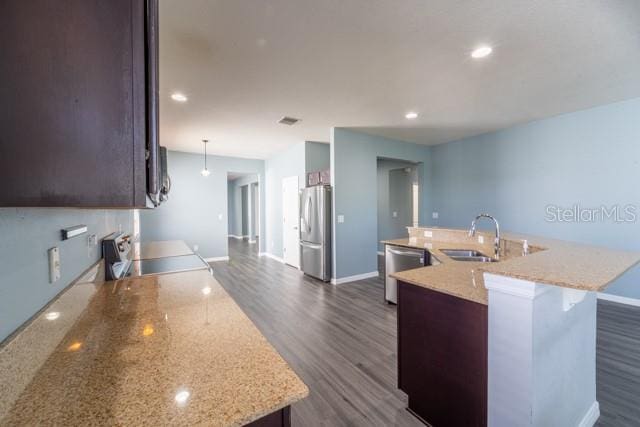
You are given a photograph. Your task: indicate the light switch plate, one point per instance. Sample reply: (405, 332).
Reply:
(395, 214)
(435, 215)
(54, 264)
(340, 219)
(481, 239)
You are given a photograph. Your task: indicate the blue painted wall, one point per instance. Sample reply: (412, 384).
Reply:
(297, 160)
(590, 158)
(27, 234)
(287, 163)
(191, 214)
(232, 211)
(317, 156)
(354, 157)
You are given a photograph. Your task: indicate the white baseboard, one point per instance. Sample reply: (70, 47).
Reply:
(355, 278)
(252, 241)
(381, 253)
(219, 258)
(272, 256)
(233, 236)
(619, 299)
(591, 416)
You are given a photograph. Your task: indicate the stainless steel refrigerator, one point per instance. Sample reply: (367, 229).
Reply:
(315, 231)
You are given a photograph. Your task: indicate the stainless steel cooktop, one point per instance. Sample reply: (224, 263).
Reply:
(166, 265)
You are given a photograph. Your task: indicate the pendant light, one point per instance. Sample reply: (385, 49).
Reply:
(205, 171)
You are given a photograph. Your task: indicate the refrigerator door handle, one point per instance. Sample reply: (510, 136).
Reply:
(307, 214)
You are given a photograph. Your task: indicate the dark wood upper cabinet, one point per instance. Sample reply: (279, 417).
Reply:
(78, 102)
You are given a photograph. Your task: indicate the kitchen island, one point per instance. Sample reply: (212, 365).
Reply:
(502, 343)
(171, 349)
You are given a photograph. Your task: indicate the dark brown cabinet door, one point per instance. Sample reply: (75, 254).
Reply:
(442, 356)
(73, 111)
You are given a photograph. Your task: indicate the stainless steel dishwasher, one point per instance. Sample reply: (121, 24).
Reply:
(399, 258)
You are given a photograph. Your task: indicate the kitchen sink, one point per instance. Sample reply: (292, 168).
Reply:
(467, 255)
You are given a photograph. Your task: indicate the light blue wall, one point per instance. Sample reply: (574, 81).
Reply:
(27, 234)
(317, 156)
(191, 214)
(390, 227)
(298, 160)
(354, 158)
(231, 208)
(287, 163)
(590, 158)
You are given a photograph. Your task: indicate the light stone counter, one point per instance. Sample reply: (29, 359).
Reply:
(173, 349)
(555, 262)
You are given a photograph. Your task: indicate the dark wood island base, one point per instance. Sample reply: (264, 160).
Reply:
(281, 418)
(442, 356)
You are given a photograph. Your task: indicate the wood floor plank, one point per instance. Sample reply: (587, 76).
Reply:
(341, 340)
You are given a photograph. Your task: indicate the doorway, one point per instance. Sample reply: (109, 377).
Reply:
(398, 199)
(291, 221)
(243, 208)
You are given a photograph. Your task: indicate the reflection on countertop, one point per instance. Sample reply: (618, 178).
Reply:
(160, 249)
(550, 261)
(173, 349)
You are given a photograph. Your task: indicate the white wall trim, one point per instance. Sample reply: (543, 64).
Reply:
(381, 253)
(252, 241)
(622, 300)
(591, 416)
(355, 278)
(235, 236)
(272, 256)
(216, 259)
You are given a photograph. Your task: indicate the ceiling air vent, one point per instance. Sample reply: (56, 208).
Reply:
(288, 121)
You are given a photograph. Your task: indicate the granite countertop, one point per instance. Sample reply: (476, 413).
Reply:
(173, 349)
(550, 261)
(159, 249)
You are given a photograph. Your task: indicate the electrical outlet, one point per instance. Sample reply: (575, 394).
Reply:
(428, 233)
(481, 239)
(435, 215)
(54, 264)
(340, 219)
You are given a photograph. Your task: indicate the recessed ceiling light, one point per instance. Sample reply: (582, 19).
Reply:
(481, 52)
(411, 115)
(177, 96)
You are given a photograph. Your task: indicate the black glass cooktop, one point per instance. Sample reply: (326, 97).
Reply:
(166, 265)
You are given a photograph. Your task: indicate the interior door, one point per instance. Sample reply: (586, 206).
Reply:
(290, 221)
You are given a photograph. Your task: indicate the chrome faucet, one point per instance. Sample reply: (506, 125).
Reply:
(496, 243)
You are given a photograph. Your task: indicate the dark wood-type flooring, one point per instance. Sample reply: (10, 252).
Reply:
(341, 340)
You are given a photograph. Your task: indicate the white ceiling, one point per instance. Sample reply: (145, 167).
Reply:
(364, 63)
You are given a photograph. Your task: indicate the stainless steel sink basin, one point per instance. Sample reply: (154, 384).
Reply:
(467, 255)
